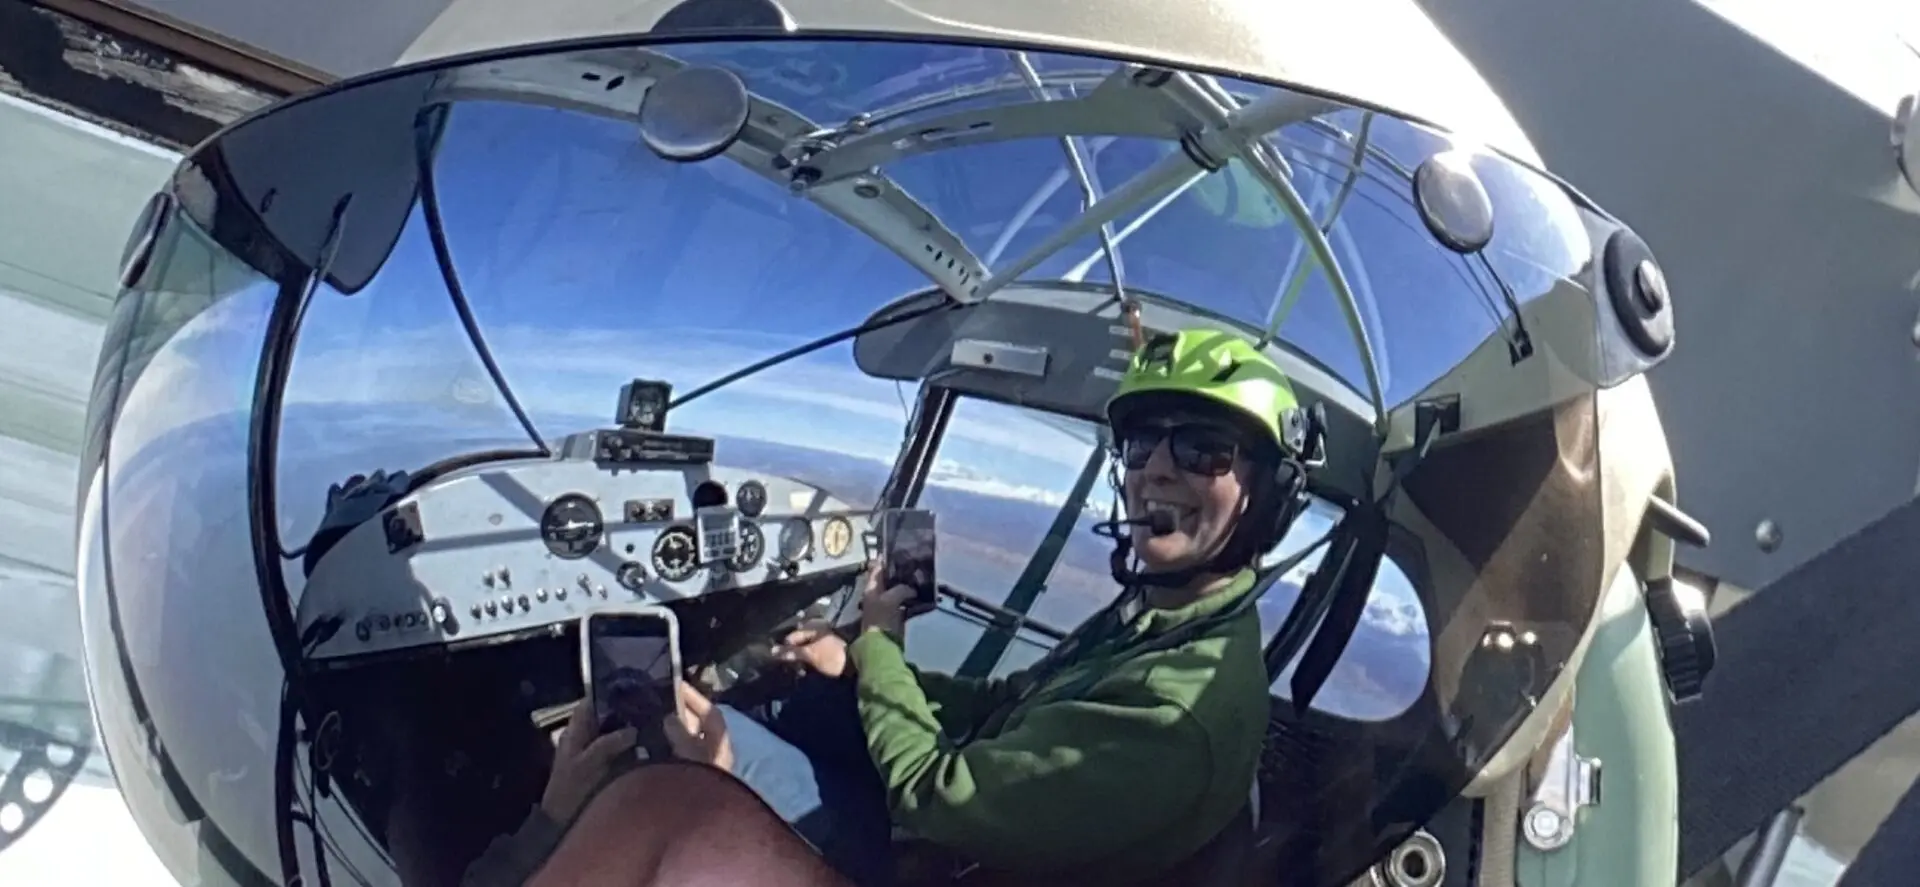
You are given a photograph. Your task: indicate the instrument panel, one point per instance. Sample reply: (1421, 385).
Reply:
(504, 549)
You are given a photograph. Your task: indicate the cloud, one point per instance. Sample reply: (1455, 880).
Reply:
(953, 475)
(1394, 613)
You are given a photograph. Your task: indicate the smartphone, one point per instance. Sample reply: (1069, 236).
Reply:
(630, 664)
(906, 544)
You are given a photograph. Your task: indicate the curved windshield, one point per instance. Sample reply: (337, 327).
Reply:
(913, 281)
(166, 561)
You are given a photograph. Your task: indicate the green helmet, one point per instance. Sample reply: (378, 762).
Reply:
(1219, 368)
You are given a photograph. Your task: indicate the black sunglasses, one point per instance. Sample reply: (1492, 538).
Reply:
(1196, 447)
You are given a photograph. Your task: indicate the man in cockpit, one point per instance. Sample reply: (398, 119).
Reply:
(1124, 751)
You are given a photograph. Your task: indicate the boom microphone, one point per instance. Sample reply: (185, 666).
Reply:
(1158, 523)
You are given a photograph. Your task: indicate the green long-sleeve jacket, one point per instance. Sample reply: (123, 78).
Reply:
(1118, 766)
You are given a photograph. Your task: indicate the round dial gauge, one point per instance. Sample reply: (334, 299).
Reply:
(571, 526)
(676, 554)
(751, 498)
(796, 540)
(837, 537)
(752, 547)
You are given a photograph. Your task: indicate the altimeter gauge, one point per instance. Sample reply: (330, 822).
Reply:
(572, 526)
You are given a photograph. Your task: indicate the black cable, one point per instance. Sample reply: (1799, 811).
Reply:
(269, 555)
(1519, 342)
(424, 137)
(810, 347)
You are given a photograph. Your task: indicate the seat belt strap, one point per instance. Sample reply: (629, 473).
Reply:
(1811, 671)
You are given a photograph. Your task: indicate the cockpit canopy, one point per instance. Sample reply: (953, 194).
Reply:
(449, 273)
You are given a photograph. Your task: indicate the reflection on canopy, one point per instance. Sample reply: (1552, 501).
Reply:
(1222, 243)
(584, 262)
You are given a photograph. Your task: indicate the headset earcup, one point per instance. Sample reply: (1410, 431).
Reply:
(1290, 489)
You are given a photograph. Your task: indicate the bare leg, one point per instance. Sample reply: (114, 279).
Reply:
(682, 825)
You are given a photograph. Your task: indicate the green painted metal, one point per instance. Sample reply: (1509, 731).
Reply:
(1621, 719)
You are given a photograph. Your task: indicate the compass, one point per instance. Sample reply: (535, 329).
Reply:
(571, 526)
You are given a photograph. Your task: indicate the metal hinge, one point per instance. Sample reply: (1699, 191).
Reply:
(1568, 783)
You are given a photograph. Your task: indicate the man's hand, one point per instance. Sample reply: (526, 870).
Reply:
(815, 647)
(581, 763)
(884, 609)
(698, 731)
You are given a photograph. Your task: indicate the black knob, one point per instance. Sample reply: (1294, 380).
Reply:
(1685, 634)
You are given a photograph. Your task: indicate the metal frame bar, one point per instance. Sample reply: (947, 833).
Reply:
(1116, 105)
(1077, 161)
(1238, 132)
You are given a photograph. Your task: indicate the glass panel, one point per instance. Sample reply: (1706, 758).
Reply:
(1225, 245)
(640, 273)
(168, 562)
(940, 641)
(1000, 477)
(1386, 665)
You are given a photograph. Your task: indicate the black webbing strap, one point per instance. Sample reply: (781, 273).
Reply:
(1889, 857)
(1812, 670)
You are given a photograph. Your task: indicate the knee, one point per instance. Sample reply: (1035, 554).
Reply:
(672, 794)
(670, 824)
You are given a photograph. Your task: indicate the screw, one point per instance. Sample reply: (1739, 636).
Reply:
(1545, 828)
(1767, 536)
(1650, 286)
